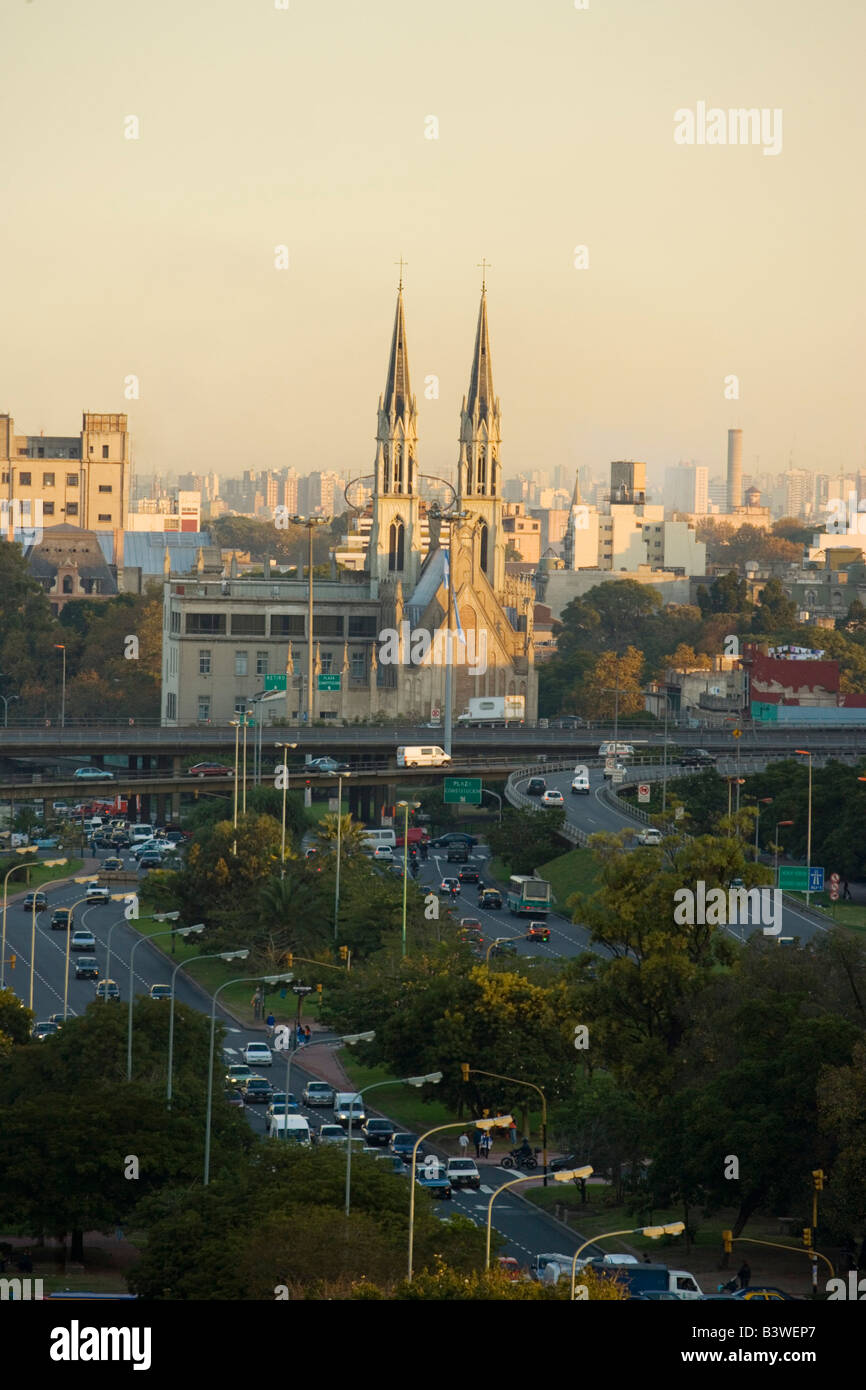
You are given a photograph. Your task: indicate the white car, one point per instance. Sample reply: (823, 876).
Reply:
(383, 852)
(552, 797)
(650, 836)
(82, 941)
(97, 894)
(258, 1054)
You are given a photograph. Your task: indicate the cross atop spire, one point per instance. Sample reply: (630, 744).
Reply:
(401, 264)
(484, 264)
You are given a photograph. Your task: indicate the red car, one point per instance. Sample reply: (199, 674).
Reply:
(538, 932)
(209, 770)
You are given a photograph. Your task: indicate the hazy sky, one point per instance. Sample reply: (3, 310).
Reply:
(261, 126)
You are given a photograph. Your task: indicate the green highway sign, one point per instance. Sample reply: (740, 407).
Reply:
(463, 789)
(330, 682)
(275, 682)
(798, 879)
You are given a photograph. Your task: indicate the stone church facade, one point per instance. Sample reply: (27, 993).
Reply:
(380, 636)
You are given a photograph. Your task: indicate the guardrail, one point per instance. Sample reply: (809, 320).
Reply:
(521, 802)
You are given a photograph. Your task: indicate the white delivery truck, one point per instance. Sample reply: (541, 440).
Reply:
(491, 711)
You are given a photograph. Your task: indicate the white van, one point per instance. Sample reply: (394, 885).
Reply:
(429, 756)
(379, 839)
(139, 833)
(292, 1129)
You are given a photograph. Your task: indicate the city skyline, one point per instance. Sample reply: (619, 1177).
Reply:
(703, 262)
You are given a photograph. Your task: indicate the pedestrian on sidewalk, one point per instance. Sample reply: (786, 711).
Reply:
(307, 1034)
(271, 1024)
(478, 1140)
(744, 1274)
(512, 1133)
(463, 1142)
(486, 1145)
(846, 891)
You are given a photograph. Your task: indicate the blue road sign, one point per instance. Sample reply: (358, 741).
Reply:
(816, 880)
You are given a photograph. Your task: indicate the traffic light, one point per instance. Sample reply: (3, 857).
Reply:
(12, 960)
(464, 1067)
(818, 1179)
(344, 953)
(319, 990)
(807, 1236)
(727, 1239)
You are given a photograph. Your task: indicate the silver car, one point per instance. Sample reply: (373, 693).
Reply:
(318, 1093)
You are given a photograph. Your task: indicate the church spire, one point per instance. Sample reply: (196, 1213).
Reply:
(398, 393)
(575, 500)
(481, 396)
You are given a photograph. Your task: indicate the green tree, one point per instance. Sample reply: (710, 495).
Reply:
(774, 610)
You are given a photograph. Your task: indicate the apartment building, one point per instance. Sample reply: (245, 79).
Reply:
(82, 480)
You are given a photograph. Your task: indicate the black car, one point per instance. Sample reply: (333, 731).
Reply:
(503, 948)
(458, 854)
(697, 757)
(455, 837)
(536, 786)
(61, 919)
(86, 968)
(402, 1145)
(469, 876)
(491, 898)
(566, 1164)
(257, 1089)
(378, 1132)
(41, 902)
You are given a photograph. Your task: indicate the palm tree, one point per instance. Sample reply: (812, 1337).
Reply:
(351, 835)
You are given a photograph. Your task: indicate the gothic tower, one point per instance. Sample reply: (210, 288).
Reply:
(479, 471)
(395, 537)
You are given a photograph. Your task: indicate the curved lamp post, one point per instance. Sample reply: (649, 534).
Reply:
(29, 849)
(675, 1228)
(216, 955)
(350, 1038)
(572, 1175)
(433, 1077)
(49, 864)
(437, 1129)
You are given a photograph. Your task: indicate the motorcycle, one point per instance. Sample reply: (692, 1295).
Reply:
(517, 1159)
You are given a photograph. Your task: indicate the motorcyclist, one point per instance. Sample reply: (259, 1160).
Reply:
(525, 1150)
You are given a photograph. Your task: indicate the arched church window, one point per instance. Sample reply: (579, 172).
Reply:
(67, 584)
(485, 545)
(396, 536)
(398, 469)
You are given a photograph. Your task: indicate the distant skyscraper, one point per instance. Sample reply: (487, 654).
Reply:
(686, 488)
(735, 469)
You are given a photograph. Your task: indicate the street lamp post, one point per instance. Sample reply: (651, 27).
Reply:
(804, 753)
(49, 864)
(217, 955)
(350, 1038)
(517, 1081)
(572, 1175)
(60, 647)
(434, 1077)
(405, 808)
(438, 1129)
(184, 931)
(29, 849)
(340, 776)
(759, 802)
(285, 772)
(237, 729)
(310, 522)
(675, 1228)
(485, 791)
(247, 713)
(267, 979)
(6, 702)
(91, 878)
